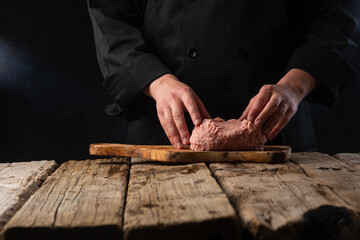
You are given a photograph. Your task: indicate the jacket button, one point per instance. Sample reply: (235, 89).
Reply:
(192, 53)
(242, 54)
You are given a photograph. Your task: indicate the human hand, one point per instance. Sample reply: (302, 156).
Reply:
(276, 104)
(172, 99)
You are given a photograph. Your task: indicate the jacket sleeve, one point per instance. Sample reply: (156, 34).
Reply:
(327, 36)
(126, 62)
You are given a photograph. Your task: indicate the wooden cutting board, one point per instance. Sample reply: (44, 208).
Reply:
(167, 153)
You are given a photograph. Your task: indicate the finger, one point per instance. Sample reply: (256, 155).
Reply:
(203, 112)
(170, 128)
(274, 120)
(192, 107)
(281, 124)
(246, 111)
(259, 103)
(179, 119)
(268, 110)
(162, 122)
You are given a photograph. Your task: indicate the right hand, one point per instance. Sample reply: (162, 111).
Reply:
(172, 99)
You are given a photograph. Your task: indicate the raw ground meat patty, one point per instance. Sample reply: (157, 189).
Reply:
(218, 134)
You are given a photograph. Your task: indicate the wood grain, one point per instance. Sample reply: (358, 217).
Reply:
(167, 153)
(81, 200)
(282, 201)
(18, 181)
(177, 202)
(340, 176)
(352, 160)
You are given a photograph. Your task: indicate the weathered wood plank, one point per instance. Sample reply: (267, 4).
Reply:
(177, 202)
(281, 201)
(341, 177)
(81, 200)
(350, 159)
(18, 181)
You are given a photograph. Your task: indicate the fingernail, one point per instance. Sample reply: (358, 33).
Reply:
(178, 145)
(257, 122)
(185, 141)
(197, 121)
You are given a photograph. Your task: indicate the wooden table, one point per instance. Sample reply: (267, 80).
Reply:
(314, 196)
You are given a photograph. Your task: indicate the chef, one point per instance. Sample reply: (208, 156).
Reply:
(169, 64)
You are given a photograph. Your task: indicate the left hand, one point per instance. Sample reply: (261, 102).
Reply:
(276, 104)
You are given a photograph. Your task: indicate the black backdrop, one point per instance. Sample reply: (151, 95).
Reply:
(52, 100)
(51, 93)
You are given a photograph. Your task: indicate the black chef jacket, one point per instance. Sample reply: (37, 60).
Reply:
(225, 50)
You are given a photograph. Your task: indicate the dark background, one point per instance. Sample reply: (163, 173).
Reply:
(51, 96)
